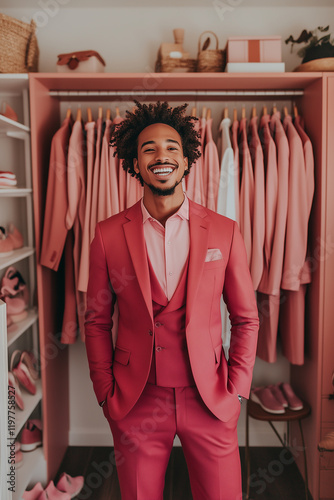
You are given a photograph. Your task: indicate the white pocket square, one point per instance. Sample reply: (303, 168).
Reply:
(213, 254)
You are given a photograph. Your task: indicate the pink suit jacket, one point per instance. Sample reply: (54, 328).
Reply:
(119, 270)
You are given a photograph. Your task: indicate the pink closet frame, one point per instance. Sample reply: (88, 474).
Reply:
(45, 120)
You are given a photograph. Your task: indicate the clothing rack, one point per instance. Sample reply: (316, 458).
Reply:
(197, 93)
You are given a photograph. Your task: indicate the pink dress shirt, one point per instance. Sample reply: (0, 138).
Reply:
(168, 247)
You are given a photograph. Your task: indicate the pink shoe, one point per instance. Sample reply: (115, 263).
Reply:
(22, 372)
(52, 493)
(15, 293)
(294, 402)
(6, 245)
(34, 493)
(31, 437)
(8, 111)
(16, 237)
(14, 386)
(71, 485)
(278, 394)
(264, 397)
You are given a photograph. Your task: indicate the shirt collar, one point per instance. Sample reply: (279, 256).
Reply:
(183, 211)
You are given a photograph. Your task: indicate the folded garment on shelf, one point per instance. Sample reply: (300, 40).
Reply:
(7, 175)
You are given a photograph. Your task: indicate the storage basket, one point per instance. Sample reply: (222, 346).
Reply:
(209, 60)
(172, 65)
(19, 49)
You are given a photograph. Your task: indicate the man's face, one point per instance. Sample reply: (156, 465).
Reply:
(160, 162)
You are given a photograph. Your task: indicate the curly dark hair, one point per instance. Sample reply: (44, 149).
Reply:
(125, 135)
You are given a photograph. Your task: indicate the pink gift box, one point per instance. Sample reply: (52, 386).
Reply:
(254, 49)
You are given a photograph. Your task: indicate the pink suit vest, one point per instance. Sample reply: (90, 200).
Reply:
(170, 361)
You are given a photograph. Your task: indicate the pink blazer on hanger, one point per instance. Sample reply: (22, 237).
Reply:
(119, 268)
(96, 178)
(235, 146)
(55, 228)
(258, 226)
(104, 209)
(246, 192)
(114, 195)
(122, 175)
(211, 160)
(90, 128)
(194, 181)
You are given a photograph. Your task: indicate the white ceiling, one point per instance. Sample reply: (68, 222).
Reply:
(168, 3)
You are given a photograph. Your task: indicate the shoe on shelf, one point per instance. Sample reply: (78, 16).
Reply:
(6, 244)
(15, 293)
(34, 493)
(294, 403)
(31, 437)
(15, 235)
(8, 111)
(71, 485)
(265, 398)
(278, 394)
(12, 383)
(327, 444)
(21, 371)
(12, 282)
(52, 493)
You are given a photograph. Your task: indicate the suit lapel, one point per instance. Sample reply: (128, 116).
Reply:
(134, 235)
(199, 233)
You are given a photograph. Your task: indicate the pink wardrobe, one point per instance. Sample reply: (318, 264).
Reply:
(313, 93)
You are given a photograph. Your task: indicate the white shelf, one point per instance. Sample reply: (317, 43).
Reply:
(30, 403)
(8, 125)
(16, 82)
(15, 330)
(15, 192)
(16, 256)
(32, 462)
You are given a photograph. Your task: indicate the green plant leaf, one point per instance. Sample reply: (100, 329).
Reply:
(320, 28)
(324, 39)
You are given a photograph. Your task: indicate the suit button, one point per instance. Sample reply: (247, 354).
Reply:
(150, 332)
(157, 324)
(158, 349)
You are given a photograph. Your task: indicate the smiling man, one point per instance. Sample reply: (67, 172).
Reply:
(166, 261)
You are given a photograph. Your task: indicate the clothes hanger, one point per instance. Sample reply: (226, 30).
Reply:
(243, 112)
(285, 110)
(225, 113)
(79, 115)
(264, 111)
(194, 111)
(254, 112)
(68, 113)
(117, 112)
(89, 115)
(100, 112)
(274, 109)
(108, 114)
(208, 114)
(235, 115)
(295, 111)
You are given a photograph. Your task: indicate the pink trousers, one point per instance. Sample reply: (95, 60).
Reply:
(143, 441)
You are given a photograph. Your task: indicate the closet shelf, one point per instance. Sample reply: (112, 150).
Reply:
(15, 192)
(17, 255)
(30, 403)
(32, 461)
(17, 82)
(15, 330)
(8, 125)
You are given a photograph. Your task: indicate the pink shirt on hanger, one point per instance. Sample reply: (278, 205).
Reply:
(114, 196)
(122, 175)
(297, 217)
(211, 168)
(258, 227)
(55, 228)
(246, 192)
(90, 128)
(235, 146)
(104, 197)
(96, 178)
(194, 180)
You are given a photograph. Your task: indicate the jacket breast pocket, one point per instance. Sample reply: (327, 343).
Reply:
(122, 356)
(213, 264)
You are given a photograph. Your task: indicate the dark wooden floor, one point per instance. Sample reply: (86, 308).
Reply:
(270, 479)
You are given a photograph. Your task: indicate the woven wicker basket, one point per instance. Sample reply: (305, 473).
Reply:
(172, 65)
(19, 49)
(209, 60)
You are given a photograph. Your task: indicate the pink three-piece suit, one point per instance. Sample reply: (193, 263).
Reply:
(167, 373)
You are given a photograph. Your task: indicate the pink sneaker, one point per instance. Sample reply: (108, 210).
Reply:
(15, 236)
(6, 244)
(52, 493)
(294, 402)
(34, 493)
(278, 394)
(14, 386)
(31, 437)
(264, 397)
(22, 372)
(71, 485)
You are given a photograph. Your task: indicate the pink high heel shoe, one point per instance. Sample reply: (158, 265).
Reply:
(24, 371)
(71, 485)
(15, 293)
(34, 493)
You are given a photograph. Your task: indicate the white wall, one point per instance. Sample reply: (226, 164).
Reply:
(128, 39)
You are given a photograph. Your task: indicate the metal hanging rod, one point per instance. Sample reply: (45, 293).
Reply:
(197, 93)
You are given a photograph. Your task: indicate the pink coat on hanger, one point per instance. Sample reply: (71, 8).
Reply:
(113, 164)
(298, 212)
(104, 205)
(90, 128)
(258, 231)
(235, 146)
(55, 228)
(75, 216)
(246, 192)
(96, 178)
(122, 175)
(194, 181)
(211, 162)
(204, 165)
